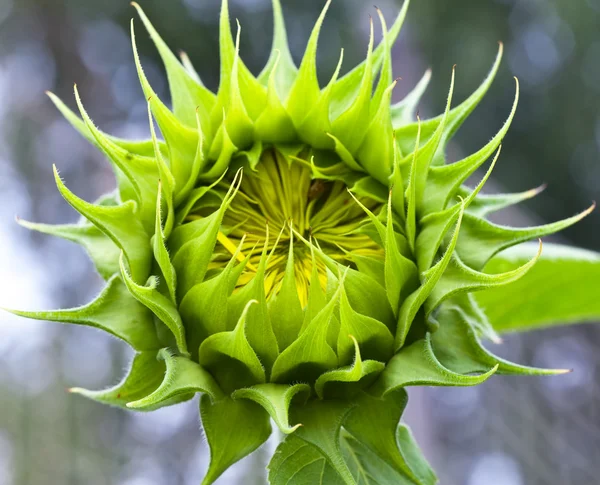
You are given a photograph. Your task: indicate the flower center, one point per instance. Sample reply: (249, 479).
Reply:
(278, 204)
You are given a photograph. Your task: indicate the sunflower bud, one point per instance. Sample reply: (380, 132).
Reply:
(297, 254)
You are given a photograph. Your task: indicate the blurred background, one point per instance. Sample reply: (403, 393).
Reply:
(510, 431)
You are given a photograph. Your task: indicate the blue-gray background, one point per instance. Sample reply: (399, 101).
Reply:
(525, 431)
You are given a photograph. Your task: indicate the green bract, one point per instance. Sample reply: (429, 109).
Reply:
(300, 254)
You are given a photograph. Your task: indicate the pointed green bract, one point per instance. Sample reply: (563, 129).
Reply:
(385, 272)
(233, 429)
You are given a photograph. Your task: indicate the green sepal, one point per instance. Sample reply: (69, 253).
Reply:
(166, 182)
(233, 429)
(161, 254)
(415, 300)
(136, 174)
(229, 357)
(192, 254)
(423, 157)
(164, 309)
(114, 311)
(280, 52)
(187, 93)
(285, 311)
(276, 400)
(132, 162)
(457, 347)
(346, 88)
(376, 153)
(403, 112)
(386, 72)
(485, 204)
(310, 354)
(305, 92)
(435, 226)
(346, 381)
(374, 337)
(100, 248)
(444, 181)
(182, 378)
(459, 278)
(145, 375)
(205, 307)
(181, 140)
(374, 423)
(480, 239)
(316, 126)
(417, 365)
(364, 293)
(120, 224)
(350, 127)
(405, 135)
(231, 109)
(274, 125)
(259, 329)
(221, 150)
(320, 459)
(252, 95)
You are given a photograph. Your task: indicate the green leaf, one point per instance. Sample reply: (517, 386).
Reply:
(229, 357)
(160, 305)
(115, 311)
(101, 249)
(182, 378)
(347, 380)
(369, 469)
(322, 422)
(145, 375)
(233, 429)
(561, 288)
(417, 365)
(276, 400)
(297, 462)
(374, 423)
